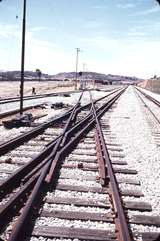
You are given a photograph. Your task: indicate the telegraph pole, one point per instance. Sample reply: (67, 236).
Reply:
(84, 81)
(22, 57)
(77, 52)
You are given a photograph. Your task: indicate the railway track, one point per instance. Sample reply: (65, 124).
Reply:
(6, 112)
(29, 97)
(78, 187)
(151, 104)
(30, 106)
(132, 125)
(10, 101)
(6, 185)
(152, 114)
(6, 135)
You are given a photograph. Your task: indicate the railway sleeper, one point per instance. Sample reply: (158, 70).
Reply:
(79, 233)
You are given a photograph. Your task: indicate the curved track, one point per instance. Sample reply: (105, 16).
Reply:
(44, 165)
(69, 189)
(29, 107)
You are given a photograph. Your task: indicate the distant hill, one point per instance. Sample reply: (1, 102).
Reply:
(98, 77)
(95, 76)
(14, 75)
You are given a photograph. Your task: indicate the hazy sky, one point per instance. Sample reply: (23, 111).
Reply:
(116, 36)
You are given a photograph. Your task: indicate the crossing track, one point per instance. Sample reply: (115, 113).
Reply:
(38, 175)
(17, 99)
(14, 142)
(41, 161)
(30, 97)
(11, 100)
(72, 191)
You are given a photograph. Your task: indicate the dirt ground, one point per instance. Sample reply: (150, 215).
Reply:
(11, 89)
(151, 84)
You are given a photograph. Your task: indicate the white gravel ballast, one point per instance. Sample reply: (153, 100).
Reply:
(129, 123)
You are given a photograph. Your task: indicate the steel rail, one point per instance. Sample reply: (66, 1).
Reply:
(100, 157)
(14, 180)
(124, 233)
(151, 99)
(15, 203)
(86, 106)
(11, 144)
(29, 97)
(72, 132)
(89, 116)
(10, 100)
(35, 164)
(83, 129)
(13, 112)
(17, 141)
(19, 231)
(4, 211)
(31, 167)
(72, 142)
(28, 168)
(101, 161)
(21, 224)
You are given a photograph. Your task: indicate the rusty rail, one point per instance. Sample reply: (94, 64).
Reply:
(37, 163)
(31, 178)
(149, 97)
(7, 210)
(70, 133)
(120, 217)
(19, 231)
(17, 141)
(152, 99)
(47, 154)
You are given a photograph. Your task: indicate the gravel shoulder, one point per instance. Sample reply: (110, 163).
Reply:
(131, 126)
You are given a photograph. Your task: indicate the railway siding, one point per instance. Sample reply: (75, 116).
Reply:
(88, 188)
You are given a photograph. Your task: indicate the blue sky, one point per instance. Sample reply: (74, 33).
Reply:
(115, 36)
